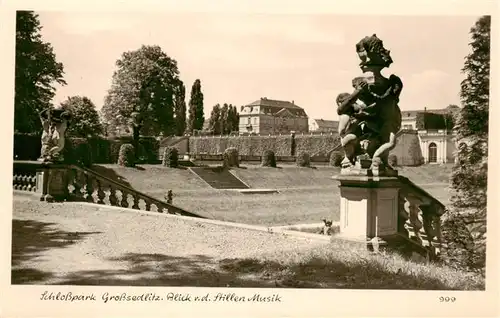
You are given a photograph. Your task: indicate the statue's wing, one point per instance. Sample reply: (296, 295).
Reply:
(397, 84)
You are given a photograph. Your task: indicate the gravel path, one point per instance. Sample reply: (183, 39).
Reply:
(72, 243)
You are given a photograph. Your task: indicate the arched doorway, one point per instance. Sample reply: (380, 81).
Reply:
(432, 153)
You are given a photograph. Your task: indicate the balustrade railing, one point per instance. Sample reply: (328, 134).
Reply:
(86, 185)
(420, 216)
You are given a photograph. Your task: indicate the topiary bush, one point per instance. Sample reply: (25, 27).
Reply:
(171, 157)
(126, 156)
(268, 159)
(303, 159)
(393, 160)
(231, 158)
(336, 158)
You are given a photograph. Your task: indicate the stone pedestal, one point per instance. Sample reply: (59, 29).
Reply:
(52, 184)
(368, 207)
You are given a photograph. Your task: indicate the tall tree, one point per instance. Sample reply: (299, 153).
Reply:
(469, 175)
(36, 72)
(196, 116)
(234, 118)
(180, 109)
(84, 117)
(143, 92)
(224, 119)
(214, 123)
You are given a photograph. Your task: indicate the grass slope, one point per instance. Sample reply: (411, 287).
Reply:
(307, 195)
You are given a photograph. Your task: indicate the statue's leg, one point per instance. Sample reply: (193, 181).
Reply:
(349, 144)
(381, 155)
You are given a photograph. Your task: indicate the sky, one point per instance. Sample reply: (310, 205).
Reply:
(241, 57)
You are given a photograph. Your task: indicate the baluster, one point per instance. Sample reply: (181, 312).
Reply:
(136, 202)
(148, 205)
(402, 215)
(416, 224)
(112, 196)
(159, 208)
(124, 202)
(33, 183)
(76, 184)
(89, 188)
(100, 194)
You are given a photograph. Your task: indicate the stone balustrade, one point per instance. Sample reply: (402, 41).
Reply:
(73, 183)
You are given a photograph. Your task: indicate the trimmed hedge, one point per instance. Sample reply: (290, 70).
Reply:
(393, 160)
(303, 159)
(171, 157)
(231, 158)
(336, 158)
(27, 146)
(317, 145)
(126, 157)
(268, 159)
(78, 151)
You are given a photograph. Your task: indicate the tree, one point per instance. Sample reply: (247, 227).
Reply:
(36, 71)
(180, 110)
(142, 93)
(234, 119)
(214, 123)
(85, 119)
(469, 175)
(196, 116)
(225, 119)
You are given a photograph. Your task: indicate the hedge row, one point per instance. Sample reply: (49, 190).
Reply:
(96, 149)
(320, 145)
(316, 145)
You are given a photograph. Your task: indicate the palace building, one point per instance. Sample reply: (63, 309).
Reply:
(269, 116)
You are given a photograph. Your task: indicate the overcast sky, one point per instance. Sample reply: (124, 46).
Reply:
(241, 57)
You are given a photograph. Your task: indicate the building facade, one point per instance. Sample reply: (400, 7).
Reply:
(268, 116)
(435, 132)
(322, 125)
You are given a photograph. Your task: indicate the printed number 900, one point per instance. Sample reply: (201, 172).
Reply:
(447, 299)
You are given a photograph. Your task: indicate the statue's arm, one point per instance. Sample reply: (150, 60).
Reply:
(347, 103)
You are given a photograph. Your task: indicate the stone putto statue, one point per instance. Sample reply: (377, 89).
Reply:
(370, 116)
(54, 123)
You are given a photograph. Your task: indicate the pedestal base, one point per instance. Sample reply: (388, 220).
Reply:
(53, 184)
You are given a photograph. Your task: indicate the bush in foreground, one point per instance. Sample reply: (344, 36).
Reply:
(231, 158)
(268, 159)
(171, 157)
(126, 156)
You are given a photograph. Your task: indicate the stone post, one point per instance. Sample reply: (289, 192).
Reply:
(52, 182)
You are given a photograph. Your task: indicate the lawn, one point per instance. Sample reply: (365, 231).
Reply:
(306, 195)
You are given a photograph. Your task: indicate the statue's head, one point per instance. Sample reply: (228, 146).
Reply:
(341, 98)
(372, 53)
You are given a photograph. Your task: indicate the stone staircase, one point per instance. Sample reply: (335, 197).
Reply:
(219, 178)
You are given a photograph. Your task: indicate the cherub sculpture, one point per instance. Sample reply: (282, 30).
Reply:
(54, 123)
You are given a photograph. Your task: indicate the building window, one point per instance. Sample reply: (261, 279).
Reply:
(249, 120)
(432, 152)
(255, 120)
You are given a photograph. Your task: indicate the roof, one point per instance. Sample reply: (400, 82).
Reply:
(264, 101)
(326, 123)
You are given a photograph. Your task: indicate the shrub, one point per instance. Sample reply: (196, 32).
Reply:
(393, 160)
(303, 159)
(336, 158)
(171, 157)
(231, 157)
(268, 159)
(126, 156)
(78, 151)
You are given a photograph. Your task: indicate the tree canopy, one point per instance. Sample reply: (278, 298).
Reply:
(36, 72)
(84, 117)
(146, 83)
(470, 172)
(196, 115)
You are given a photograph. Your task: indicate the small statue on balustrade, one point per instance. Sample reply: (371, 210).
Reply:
(54, 123)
